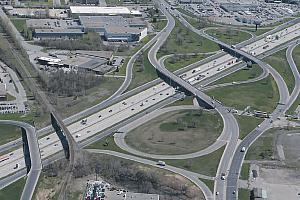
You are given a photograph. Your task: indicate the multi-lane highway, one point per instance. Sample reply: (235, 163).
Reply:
(129, 107)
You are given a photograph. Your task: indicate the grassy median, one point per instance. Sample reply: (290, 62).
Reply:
(206, 165)
(177, 132)
(261, 95)
(241, 75)
(182, 40)
(279, 62)
(247, 124)
(13, 191)
(228, 35)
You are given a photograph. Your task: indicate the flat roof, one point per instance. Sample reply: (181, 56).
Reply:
(99, 10)
(58, 31)
(116, 29)
(102, 21)
(52, 23)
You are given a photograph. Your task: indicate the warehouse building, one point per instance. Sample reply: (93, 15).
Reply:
(76, 11)
(115, 28)
(124, 34)
(57, 33)
(52, 23)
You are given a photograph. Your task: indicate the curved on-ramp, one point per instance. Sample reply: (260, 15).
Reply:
(35, 157)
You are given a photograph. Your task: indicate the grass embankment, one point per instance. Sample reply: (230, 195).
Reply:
(244, 194)
(206, 165)
(177, 132)
(209, 183)
(159, 24)
(188, 100)
(182, 40)
(106, 143)
(296, 57)
(179, 61)
(70, 105)
(263, 147)
(143, 71)
(261, 95)
(9, 133)
(13, 191)
(241, 75)
(245, 171)
(247, 124)
(279, 62)
(228, 35)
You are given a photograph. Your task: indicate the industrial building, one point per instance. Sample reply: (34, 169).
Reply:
(98, 62)
(52, 23)
(258, 194)
(124, 34)
(115, 28)
(76, 11)
(57, 33)
(236, 7)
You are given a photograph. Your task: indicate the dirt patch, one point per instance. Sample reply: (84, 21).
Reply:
(120, 173)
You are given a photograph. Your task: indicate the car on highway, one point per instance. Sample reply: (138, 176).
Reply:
(83, 122)
(16, 166)
(243, 149)
(217, 193)
(223, 176)
(161, 163)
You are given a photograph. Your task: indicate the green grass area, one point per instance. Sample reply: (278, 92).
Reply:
(206, 165)
(143, 71)
(279, 63)
(21, 26)
(182, 40)
(244, 194)
(106, 143)
(245, 171)
(209, 183)
(241, 75)
(159, 24)
(257, 32)
(296, 57)
(122, 70)
(13, 191)
(177, 132)
(261, 95)
(263, 147)
(179, 61)
(28, 118)
(69, 106)
(228, 35)
(188, 100)
(9, 133)
(247, 124)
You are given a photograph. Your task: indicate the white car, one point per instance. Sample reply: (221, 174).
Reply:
(243, 149)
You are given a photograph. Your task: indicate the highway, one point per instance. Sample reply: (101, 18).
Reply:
(36, 164)
(120, 111)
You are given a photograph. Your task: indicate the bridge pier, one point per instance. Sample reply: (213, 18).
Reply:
(61, 135)
(26, 150)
